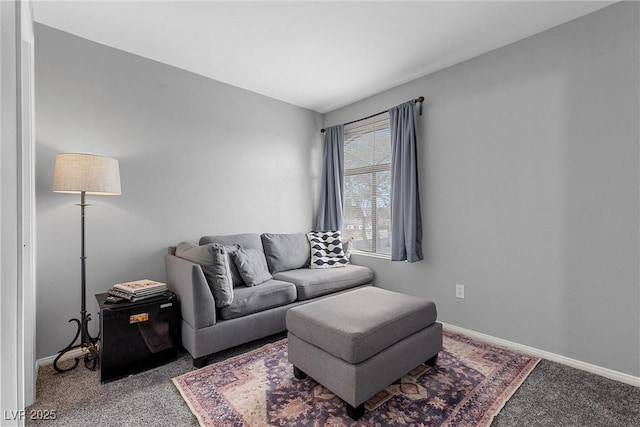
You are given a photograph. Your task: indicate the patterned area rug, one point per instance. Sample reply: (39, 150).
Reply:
(470, 384)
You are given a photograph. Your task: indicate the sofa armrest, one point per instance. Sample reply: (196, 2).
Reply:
(186, 279)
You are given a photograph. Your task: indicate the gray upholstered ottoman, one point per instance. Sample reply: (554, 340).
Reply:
(357, 343)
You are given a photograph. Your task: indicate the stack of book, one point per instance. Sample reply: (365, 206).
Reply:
(138, 290)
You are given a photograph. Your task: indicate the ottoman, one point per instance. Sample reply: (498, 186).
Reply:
(357, 343)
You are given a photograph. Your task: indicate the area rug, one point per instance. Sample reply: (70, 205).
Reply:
(469, 385)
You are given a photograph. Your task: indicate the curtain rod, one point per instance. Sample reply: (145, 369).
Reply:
(417, 100)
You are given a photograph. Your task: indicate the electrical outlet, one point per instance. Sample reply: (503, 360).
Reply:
(459, 291)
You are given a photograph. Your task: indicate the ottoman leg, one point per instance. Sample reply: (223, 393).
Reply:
(299, 374)
(356, 412)
(432, 362)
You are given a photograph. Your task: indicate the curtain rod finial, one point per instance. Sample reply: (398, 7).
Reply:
(419, 100)
(322, 130)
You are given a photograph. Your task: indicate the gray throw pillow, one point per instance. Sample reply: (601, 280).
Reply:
(235, 275)
(252, 266)
(286, 251)
(214, 261)
(232, 242)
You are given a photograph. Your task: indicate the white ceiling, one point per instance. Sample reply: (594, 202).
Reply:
(315, 54)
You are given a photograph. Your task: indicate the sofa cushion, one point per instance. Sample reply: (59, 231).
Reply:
(215, 265)
(312, 283)
(247, 300)
(246, 240)
(251, 265)
(286, 251)
(326, 249)
(359, 324)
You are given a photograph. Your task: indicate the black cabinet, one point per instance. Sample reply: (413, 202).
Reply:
(137, 336)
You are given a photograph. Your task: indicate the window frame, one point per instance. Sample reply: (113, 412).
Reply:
(370, 126)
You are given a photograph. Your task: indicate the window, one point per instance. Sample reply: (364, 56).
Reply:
(367, 186)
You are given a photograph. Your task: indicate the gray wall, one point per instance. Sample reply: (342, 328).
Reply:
(196, 157)
(529, 185)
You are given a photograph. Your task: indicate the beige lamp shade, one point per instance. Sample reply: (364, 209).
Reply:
(78, 172)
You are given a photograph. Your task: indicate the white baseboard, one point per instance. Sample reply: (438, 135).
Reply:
(71, 354)
(45, 361)
(583, 366)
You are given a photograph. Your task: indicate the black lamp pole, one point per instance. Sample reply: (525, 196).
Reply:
(87, 342)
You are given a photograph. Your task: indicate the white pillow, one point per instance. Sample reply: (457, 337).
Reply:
(326, 249)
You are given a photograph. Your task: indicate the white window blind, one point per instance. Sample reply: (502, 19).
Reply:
(367, 186)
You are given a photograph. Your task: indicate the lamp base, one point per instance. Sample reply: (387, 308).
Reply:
(86, 350)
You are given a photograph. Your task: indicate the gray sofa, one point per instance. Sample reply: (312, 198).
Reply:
(256, 311)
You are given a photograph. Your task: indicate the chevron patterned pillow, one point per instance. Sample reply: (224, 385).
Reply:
(326, 249)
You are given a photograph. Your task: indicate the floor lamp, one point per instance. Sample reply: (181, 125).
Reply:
(84, 174)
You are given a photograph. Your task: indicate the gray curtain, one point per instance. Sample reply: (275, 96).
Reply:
(330, 209)
(406, 220)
